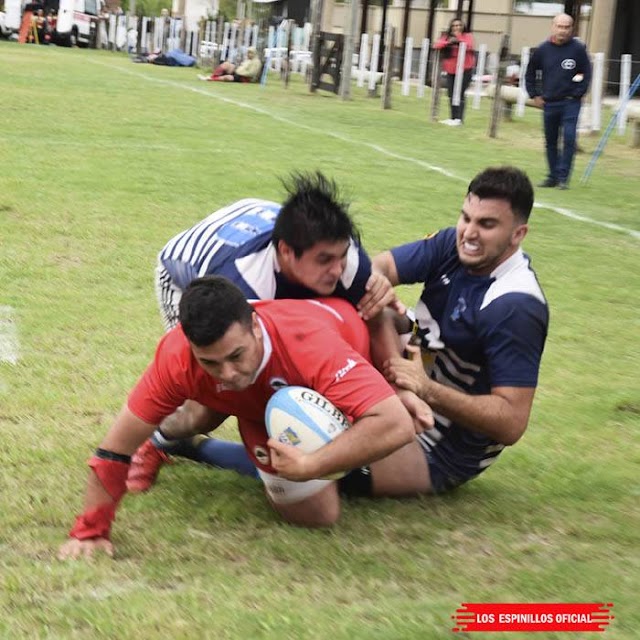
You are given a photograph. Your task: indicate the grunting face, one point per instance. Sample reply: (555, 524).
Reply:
(487, 233)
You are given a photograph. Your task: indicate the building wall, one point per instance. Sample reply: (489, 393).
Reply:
(488, 24)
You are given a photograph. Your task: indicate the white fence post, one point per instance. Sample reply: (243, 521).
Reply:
(363, 59)
(225, 42)
(233, 45)
(422, 68)
(457, 83)
(113, 25)
(477, 87)
(406, 70)
(373, 67)
(522, 94)
(625, 81)
(596, 91)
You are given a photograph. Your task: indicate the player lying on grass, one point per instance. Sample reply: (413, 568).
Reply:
(230, 356)
(305, 248)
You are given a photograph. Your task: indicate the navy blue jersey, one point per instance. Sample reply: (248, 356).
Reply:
(478, 332)
(235, 242)
(562, 67)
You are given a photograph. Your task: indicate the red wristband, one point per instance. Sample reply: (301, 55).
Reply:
(112, 475)
(95, 523)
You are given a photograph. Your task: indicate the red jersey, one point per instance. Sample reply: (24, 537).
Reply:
(323, 345)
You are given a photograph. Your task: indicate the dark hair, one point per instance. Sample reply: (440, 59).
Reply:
(209, 306)
(314, 212)
(505, 183)
(450, 29)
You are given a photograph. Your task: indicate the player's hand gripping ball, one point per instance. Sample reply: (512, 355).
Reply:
(304, 418)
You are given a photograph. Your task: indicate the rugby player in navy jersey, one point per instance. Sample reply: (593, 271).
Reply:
(304, 248)
(481, 322)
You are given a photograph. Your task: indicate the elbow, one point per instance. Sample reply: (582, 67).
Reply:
(512, 434)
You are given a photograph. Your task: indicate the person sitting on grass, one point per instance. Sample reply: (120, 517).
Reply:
(247, 71)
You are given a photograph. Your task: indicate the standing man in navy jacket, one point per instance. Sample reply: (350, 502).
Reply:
(563, 63)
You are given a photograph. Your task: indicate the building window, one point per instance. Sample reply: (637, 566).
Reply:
(547, 7)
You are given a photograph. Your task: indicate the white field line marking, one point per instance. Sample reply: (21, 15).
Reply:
(436, 169)
(8, 336)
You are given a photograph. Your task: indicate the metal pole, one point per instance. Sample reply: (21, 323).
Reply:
(607, 133)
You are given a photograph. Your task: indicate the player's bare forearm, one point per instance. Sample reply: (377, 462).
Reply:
(191, 419)
(385, 341)
(386, 427)
(501, 415)
(385, 264)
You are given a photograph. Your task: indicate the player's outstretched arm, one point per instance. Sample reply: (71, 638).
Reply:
(385, 264)
(106, 484)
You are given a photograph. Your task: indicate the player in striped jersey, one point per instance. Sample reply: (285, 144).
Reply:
(305, 248)
(482, 323)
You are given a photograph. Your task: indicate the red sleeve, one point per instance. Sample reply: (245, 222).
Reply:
(467, 38)
(442, 42)
(164, 386)
(340, 373)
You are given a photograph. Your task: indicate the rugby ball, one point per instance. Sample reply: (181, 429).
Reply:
(304, 418)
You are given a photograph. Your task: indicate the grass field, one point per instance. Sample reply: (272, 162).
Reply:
(102, 161)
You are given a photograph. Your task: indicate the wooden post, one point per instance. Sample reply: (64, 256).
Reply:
(435, 85)
(316, 27)
(387, 70)
(287, 62)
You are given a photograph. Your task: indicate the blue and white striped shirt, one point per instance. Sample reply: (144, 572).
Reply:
(235, 242)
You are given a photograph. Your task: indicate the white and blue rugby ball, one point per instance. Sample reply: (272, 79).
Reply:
(304, 418)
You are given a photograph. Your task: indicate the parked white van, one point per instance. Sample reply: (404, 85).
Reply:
(10, 18)
(78, 21)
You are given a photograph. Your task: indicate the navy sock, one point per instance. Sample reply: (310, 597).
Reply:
(227, 455)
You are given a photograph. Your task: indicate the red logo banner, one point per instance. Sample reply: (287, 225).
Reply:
(552, 616)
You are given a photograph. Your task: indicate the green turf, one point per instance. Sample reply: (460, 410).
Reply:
(102, 161)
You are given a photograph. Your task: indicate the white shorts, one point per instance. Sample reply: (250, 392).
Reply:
(168, 296)
(282, 491)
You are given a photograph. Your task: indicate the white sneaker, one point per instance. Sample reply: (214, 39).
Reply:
(455, 123)
(447, 122)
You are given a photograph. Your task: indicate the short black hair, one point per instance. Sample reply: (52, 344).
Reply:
(209, 306)
(505, 183)
(314, 212)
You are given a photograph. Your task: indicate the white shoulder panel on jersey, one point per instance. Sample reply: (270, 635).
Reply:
(353, 263)
(258, 271)
(513, 276)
